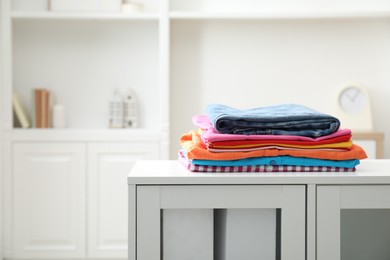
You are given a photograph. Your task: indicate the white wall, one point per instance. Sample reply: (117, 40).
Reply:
(251, 63)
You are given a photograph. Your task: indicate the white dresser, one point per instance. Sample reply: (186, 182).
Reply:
(174, 213)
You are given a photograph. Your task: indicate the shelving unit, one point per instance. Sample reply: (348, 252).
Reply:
(81, 58)
(177, 56)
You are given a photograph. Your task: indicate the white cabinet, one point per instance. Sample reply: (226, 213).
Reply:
(175, 214)
(334, 215)
(49, 200)
(108, 167)
(70, 199)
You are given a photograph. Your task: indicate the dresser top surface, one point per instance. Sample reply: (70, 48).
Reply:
(172, 172)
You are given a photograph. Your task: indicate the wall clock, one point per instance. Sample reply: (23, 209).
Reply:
(353, 108)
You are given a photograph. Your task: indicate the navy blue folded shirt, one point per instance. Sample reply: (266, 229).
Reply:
(285, 119)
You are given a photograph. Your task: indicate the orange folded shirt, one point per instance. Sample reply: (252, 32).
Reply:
(195, 149)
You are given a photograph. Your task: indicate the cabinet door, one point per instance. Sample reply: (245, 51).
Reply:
(214, 222)
(48, 200)
(353, 222)
(108, 167)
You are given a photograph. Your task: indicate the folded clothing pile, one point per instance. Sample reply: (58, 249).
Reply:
(282, 138)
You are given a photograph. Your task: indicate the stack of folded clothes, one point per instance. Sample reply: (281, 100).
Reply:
(282, 138)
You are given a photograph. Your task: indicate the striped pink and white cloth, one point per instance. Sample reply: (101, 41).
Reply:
(261, 168)
(267, 168)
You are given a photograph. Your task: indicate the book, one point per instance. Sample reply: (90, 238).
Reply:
(49, 109)
(20, 112)
(42, 108)
(38, 114)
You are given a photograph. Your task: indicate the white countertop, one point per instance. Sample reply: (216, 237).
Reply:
(146, 172)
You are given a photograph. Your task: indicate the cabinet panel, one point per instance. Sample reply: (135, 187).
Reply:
(49, 200)
(352, 222)
(153, 201)
(108, 167)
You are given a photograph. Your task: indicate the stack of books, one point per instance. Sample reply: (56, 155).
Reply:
(41, 110)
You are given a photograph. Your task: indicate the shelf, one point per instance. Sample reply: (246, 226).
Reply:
(69, 134)
(278, 15)
(83, 16)
(19, 15)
